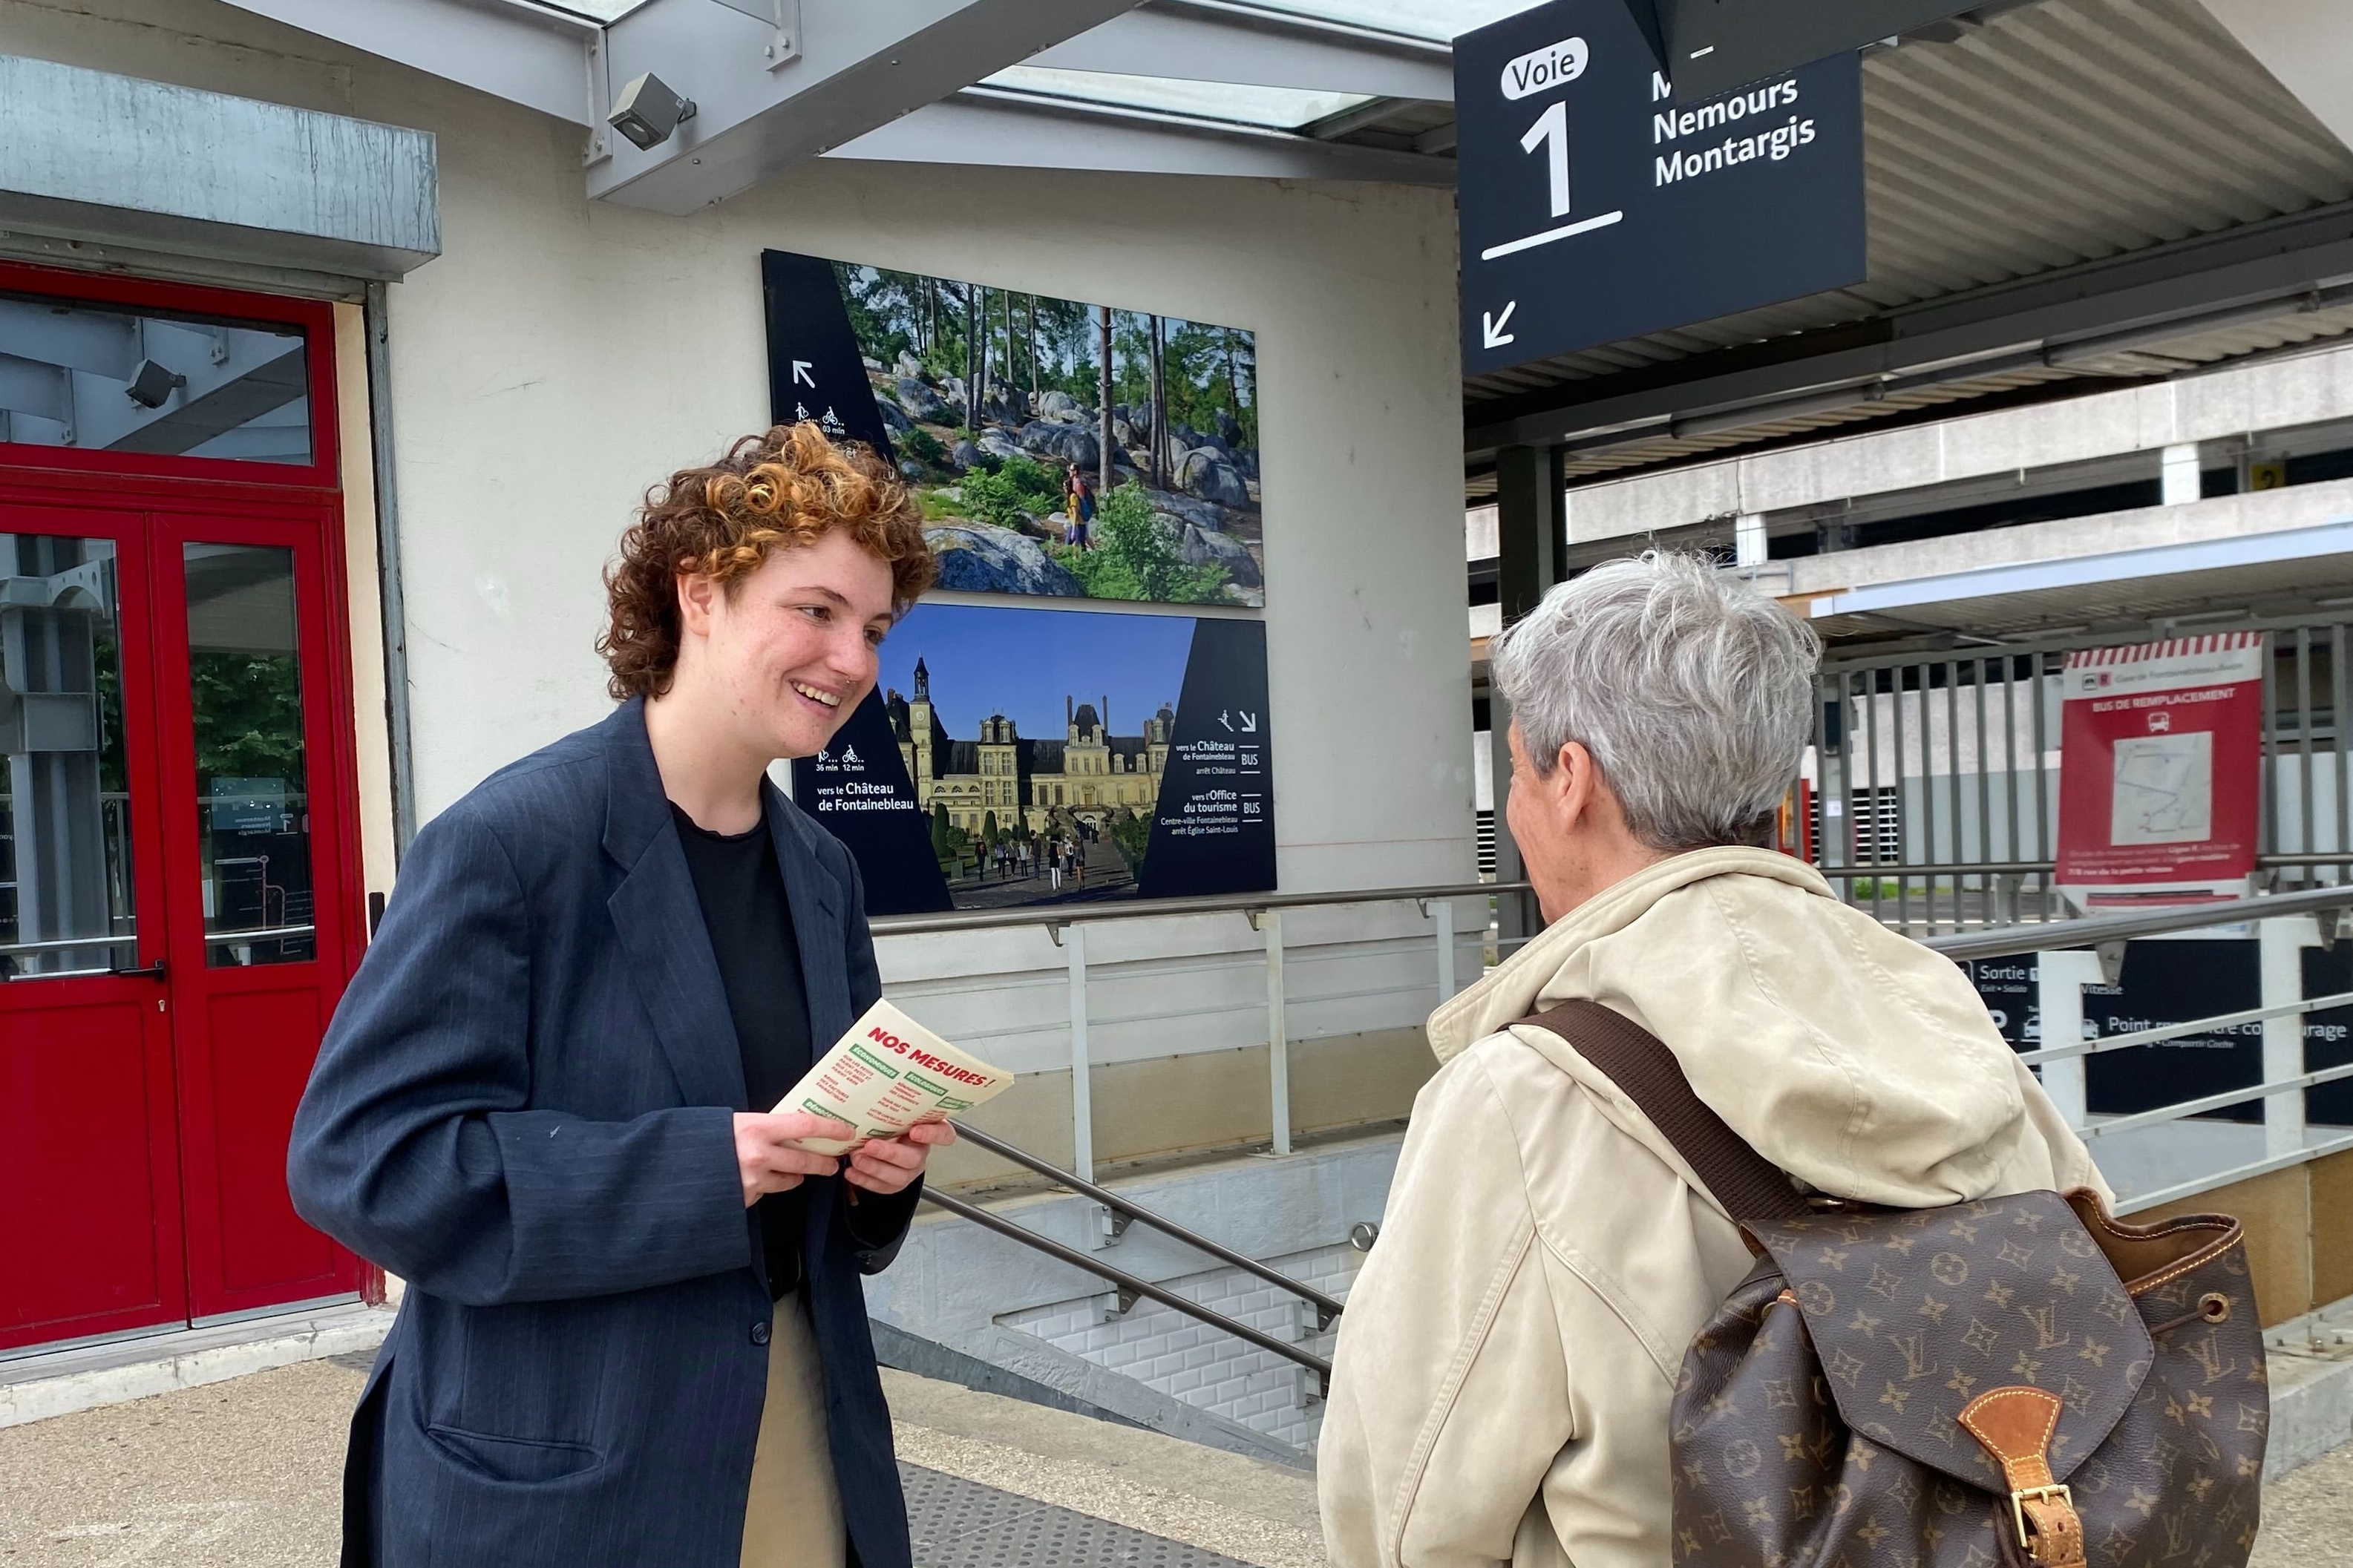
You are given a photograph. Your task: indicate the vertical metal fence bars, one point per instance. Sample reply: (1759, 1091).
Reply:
(1936, 772)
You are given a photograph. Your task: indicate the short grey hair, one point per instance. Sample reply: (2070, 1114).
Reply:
(1693, 693)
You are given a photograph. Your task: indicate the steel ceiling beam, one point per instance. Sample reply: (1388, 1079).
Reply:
(859, 66)
(999, 127)
(2275, 257)
(523, 53)
(1252, 46)
(892, 83)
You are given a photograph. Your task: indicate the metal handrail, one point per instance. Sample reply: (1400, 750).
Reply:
(2050, 936)
(1856, 870)
(66, 944)
(2107, 1043)
(1129, 1283)
(1326, 1308)
(1058, 915)
(258, 934)
(1852, 870)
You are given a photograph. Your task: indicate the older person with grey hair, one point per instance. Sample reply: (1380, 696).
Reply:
(1510, 1353)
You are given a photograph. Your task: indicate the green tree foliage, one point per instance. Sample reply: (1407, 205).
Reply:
(925, 447)
(1135, 556)
(249, 716)
(1132, 834)
(1006, 491)
(108, 660)
(1209, 367)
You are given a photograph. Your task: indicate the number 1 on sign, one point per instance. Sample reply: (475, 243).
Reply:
(1552, 130)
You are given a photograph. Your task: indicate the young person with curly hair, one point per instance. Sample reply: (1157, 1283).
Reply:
(633, 1329)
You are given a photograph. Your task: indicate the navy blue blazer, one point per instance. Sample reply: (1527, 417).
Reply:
(523, 1108)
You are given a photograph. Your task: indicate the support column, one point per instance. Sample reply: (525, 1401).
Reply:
(1532, 550)
(2181, 484)
(1531, 526)
(1083, 1084)
(2061, 977)
(2281, 945)
(1749, 545)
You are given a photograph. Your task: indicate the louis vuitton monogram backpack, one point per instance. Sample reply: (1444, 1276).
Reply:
(2021, 1380)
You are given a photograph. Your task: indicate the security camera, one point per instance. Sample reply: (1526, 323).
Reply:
(648, 110)
(152, 384)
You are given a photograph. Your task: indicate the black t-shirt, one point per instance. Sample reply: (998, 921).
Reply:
(751, 925)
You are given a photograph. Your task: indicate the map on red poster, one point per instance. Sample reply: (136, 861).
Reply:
(2159, 770)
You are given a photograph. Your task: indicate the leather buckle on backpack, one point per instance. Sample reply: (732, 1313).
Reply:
(2019, 1500)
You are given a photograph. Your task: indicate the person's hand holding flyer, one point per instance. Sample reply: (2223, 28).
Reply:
(887, 1074)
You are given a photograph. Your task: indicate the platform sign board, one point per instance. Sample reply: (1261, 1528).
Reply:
(2160, 769)
(1013, 756)
(2160, 984)
(990, 401)
(1715, 45)
(1595, 207)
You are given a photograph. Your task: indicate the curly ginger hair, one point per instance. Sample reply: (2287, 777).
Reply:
(788, 487)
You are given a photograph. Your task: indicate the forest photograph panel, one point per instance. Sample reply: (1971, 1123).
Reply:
(1066, 448)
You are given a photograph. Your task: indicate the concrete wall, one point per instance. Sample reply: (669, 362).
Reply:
(2299, 1232)
(2141, 527)
(562, 354)
(2215, 407)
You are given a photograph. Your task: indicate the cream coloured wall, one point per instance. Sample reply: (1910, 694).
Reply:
(560, 355)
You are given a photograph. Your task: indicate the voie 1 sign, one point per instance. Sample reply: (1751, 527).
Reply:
(1595, 207)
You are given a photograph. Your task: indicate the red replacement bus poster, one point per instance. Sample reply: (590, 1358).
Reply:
(2160, 768)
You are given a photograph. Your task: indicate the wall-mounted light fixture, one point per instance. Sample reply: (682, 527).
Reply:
(648, 110)
(152, 385)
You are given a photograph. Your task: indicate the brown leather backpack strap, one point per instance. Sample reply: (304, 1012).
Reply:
(1748, 1186)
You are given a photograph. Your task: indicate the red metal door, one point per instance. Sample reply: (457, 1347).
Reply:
(90, 1238)
(256, 899)
(179, 876)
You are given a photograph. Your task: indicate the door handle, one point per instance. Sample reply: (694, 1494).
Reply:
(152, 972)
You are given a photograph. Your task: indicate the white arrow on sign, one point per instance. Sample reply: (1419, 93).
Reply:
(801, 371)
(1495, 335)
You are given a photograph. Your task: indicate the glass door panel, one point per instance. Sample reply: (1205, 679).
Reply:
(258, 889)
(89, 1227)
(66, 878)
(253, 804)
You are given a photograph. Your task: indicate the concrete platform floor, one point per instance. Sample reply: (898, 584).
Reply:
(245, 1473)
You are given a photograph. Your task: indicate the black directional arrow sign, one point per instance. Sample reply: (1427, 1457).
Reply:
(1595, 207)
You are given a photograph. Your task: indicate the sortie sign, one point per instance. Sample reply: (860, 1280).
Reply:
(1595, 206)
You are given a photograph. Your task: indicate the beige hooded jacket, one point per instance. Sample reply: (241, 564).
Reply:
(1510, 1351)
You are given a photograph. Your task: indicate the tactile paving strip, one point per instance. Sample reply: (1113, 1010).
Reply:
(959, 1523)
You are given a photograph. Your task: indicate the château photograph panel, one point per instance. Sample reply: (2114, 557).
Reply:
(1013, 756)
(1060, 448)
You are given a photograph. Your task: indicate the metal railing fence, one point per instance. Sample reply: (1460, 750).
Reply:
(1067, 925)
(1937, 804)
(1131, 1287)
(2071, 955)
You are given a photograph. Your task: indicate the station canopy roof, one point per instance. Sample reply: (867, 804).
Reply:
(2063, 195)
